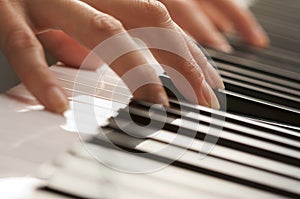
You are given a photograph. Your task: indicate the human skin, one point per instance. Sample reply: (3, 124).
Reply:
(29, 25)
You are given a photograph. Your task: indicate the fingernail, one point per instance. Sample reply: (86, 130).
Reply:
(162, 98)
(215, 80)
(57, 100)
(261, 38)
(210, 99)
(226, 48)
(220, 43)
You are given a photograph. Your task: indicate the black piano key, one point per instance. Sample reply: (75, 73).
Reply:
(117, 137)
(49, 194)
(275, 69)
(281, 42)
(261, 90)
(248, 105)
(277, 9)
(272, 82)
(271, 56)
(220, 152)
(244, 105)
(227, 139)
(235, 119)
(286, 29)
(281, 23)
(157, 142)
(235, 126)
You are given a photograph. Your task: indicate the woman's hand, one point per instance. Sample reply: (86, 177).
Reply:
(206, 20)
(70, 29)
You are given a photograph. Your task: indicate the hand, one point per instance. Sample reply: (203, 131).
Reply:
(70, 29)
(206, 20)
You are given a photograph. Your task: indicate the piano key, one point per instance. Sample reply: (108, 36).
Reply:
(279, 84)
(151, 146)
(226, 138)
(219, 152)
(244, 105)
(180, 177)
(120, 184)
(44, 194)
(286, 28)
(271, 55)
(174, 113)
(275, 96)
(276, 69)
(233, 169)
(186, 108)
(286, 10)
(63, 181)
(282, 42)
(212, 167)
(257, 108)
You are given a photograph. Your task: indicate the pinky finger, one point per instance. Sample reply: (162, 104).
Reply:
(244, 21)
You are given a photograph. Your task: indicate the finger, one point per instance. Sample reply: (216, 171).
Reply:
(67, 50)
(139, 13)
(217, 17)
(211, 74)
(100, 27)
(189, 17)
(25, 55)
(244, 21)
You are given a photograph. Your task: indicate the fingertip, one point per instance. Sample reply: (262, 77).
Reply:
(56, 100)
(225, 48)
(208, 97)
(218, 42)
(213, 77)
(153, 93)
(260, 38)
(163, 99)
(214, 102)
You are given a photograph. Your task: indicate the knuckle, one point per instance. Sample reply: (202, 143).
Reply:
(194, 72)
(198, 73)
(104, 22)
(20, 40)
(155, 8)
(37, 75)
(204, 64)
(179, 3)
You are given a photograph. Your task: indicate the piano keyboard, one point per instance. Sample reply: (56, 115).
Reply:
(256, 155)
(250, 158)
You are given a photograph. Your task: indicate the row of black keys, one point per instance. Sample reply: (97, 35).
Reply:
(245, 136)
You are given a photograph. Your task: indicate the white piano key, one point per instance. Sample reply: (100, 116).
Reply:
(198, 108)
(177, 177)
(76, 177)
(78, 185)
(41, 194)
(235, 155)
(215, 121)
(218, 165)
(225, 134)
(240, 139)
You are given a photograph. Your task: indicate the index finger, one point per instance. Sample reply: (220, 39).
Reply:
(26, 56)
